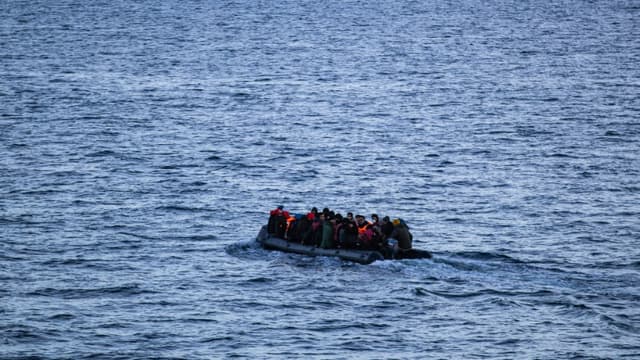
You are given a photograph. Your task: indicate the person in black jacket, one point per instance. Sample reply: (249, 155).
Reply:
(348, 236)
(386, 228)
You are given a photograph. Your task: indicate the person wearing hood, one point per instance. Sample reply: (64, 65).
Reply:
(403, 235)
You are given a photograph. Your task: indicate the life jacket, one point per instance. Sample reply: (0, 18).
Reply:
(278, 222)
(274, 217)
(362, 228)
(291, 219)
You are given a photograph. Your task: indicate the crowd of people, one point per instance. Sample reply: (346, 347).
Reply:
(328, 229)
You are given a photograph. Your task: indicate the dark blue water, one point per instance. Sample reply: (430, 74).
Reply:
(143, 144)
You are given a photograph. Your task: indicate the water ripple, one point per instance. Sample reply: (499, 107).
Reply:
(144, 143)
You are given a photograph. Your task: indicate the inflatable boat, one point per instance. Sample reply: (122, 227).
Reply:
(271, 242)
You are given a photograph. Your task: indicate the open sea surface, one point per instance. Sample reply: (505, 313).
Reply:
(143, 143)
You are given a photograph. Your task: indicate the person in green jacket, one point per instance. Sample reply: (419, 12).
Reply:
(328, 232)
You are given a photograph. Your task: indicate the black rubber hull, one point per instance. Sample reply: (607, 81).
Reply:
(358, 256)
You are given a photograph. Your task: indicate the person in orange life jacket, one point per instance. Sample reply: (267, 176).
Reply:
(362, 223)
(365, 233)
(290, 220)
(275, 220)
(293, 230)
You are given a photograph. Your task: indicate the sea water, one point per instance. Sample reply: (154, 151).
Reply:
(143, 144)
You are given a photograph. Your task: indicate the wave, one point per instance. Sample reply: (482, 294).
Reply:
(259, 280)
(487, 256)
(195, 237)
(62, 316)
(140, 236)
(102, 153)
(178, 166)
(335, 325)
(57, 262)
(622, 322)
(633, 265)
(482, 293)
(216, 339)
(82, 293)
(182, 208)
(24, 333)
